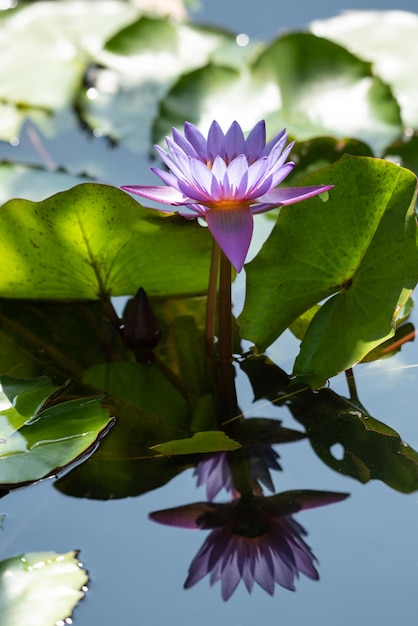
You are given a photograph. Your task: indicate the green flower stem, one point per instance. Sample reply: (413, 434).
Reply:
(225, 371)
(211, 300)
(225, 311)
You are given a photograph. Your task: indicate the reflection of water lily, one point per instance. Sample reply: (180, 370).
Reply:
(214, 470)
(254, 540)
(225, 179)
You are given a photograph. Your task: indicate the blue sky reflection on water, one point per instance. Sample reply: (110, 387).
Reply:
(366, 546)
(265, 18)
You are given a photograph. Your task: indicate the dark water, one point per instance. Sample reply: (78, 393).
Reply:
(366, 546)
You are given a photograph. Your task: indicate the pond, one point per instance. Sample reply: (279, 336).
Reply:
(340, 443)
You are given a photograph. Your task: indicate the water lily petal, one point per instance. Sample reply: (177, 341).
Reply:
(280, 173)
(195, 137)
(237, 176)
(274, 141)
(167, 177)
(216, 141)
(230, 576)
(184, 144)
(219, 167)
(166, 195)
(202, 177)
(256, 141)
(234, 142)
(290, 195)
(256, 173)
(232, 229)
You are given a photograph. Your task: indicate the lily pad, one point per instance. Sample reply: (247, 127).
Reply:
(326, 90)
(40, 588)
(94, 241)
(389, 39)
(361, 246)
(51, 43)
(39, 437)
(137, 67)
(309, 85)
(200, 443)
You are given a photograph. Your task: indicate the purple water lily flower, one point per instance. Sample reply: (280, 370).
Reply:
(225, 179)
(256, 540)
(214, 471)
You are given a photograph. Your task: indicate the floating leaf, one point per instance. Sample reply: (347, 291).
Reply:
(326, 90)
(40, 588)
(137, 67)
(361, 246)
(309, 85)
(93, 241)
(390, 40)
(51, 43)
(209, 93)
(200, 443)
(38, 437)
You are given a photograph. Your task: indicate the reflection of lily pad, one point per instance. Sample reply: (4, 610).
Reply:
(149, 410)
(36, 440)
(40, 588)
(370, 449)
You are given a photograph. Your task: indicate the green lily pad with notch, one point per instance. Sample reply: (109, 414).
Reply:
(39, 437)
(40, 588)
(95, 241)
(358, 249)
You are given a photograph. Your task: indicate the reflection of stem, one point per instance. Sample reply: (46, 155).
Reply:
(240, 468)
(349, 374)
(211, 300)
